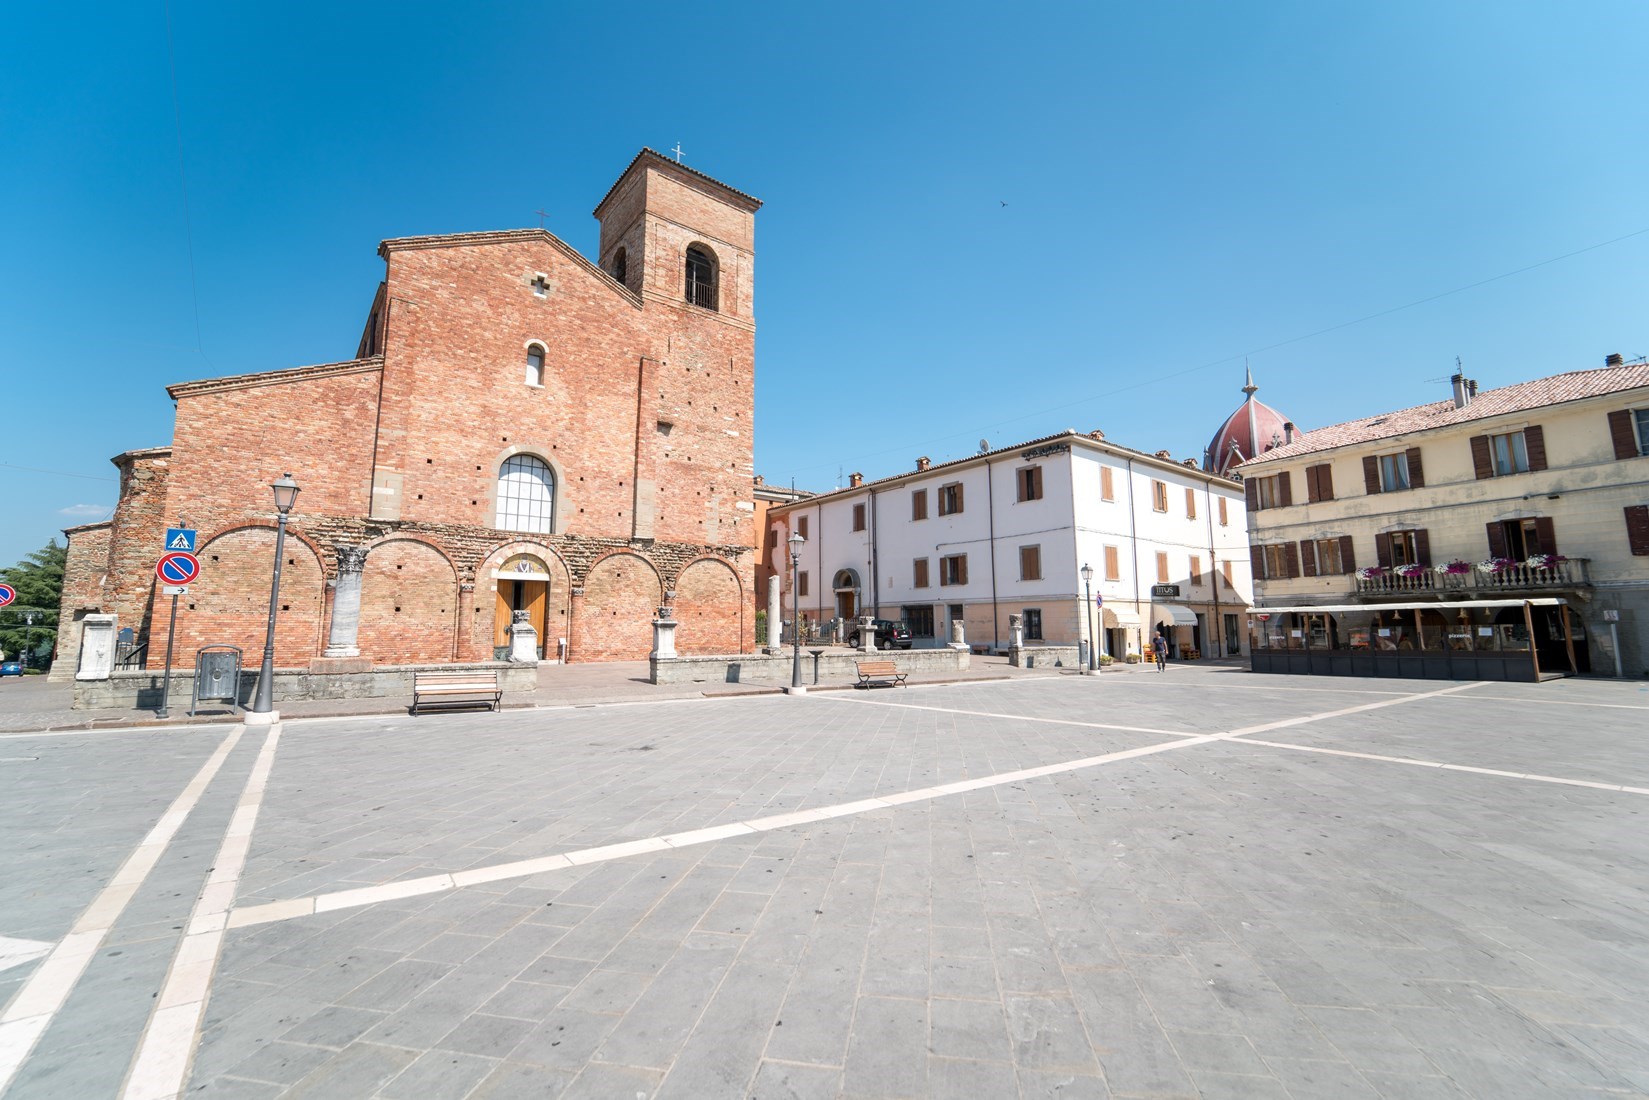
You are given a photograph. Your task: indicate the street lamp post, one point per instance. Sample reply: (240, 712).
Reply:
(1088, 603)
(263, 712)
(796, 542)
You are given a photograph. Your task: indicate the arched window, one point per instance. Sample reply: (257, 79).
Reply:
(535, 365)
(701, 277)
(621, 266)
(526, 495)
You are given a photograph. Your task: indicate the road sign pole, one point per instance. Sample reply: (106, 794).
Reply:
(166, 680)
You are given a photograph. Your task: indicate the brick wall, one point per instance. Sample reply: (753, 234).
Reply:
(409, 604)
(228, 604)
(84, 574)
(621, 596)
(709, 607)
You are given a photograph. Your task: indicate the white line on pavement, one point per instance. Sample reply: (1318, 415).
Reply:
(1560, 702)
(43, 995)
(218, 727)
(1013, 717)
(246, 916)
(160, 1068)
(1440, 765)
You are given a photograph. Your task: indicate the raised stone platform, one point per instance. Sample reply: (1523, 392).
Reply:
(142, 688)
(836, 664)
(1044, 656)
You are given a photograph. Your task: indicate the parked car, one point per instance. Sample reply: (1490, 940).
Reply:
(890, 634)
(11, 668)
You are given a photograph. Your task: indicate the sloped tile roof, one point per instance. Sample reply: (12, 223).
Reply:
(1538, 394)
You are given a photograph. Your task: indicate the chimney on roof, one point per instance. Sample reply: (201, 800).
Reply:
(1096, 434)
(1464, 390)
(758, 479)
(1614, 359)
(924, 462)
(1471, 389)
(855, 480)
(1288, 431)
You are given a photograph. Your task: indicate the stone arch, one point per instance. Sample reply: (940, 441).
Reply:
(228, 604)
(701, 275)
(409, 602)
(710, 608)
(483, 625)
(622, 593)
(558, 491)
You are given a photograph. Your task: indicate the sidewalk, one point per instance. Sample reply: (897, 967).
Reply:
(30, 704)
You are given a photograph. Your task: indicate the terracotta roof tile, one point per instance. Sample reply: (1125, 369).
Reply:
(1538, 394)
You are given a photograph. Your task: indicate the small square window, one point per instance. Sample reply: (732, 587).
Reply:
(858, 517)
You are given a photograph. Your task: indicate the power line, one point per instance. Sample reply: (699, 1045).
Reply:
(183, 182)
(58, 473)
(1155, 379)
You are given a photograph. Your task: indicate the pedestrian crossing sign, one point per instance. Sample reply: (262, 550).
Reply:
(180, 538)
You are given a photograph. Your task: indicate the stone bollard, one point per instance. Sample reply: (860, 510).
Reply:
(97, 647)
(523, 640)
(664, 635)
(867, 634)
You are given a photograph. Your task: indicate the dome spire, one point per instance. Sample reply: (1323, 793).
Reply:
(1249, 387)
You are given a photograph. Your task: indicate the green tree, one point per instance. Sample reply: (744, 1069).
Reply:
(38, 580)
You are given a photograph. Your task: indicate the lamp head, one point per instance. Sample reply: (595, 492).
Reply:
(1087, 572)
(286, 493)
(796, 542)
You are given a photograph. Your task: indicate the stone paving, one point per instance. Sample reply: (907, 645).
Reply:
(1204, 884)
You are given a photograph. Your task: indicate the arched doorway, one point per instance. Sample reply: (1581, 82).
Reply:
(846, 587)
(523, 585)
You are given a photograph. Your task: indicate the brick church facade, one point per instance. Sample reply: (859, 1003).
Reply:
(520, 430)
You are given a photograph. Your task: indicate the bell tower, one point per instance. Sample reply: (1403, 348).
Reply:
(674, 235)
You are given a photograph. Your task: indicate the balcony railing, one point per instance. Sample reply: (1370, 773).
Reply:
(1518, 577)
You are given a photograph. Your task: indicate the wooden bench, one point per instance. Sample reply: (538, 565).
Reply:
(880, 672)
(457, 688)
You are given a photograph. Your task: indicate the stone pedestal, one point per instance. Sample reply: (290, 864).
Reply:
(523, 640)
(338, 666)
(97, 647)
(664, 635)
(867, 634)
(775, 626)
(346, 604)
(958, 639)
(1016, 627)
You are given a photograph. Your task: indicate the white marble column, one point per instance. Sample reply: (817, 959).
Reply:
(346, 604)
(775, 627)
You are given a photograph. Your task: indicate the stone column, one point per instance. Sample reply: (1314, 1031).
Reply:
(346, 604)
(523, 639)
(462, 642)
(958, 639)
(97, 647)
(867, 634)
(575, 620)
(664, 635)
(1016, 640)
(775, 628)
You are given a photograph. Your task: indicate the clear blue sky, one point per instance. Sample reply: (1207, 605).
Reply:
(1186, 184)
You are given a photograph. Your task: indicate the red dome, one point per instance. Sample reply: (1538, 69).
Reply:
(1252, 430)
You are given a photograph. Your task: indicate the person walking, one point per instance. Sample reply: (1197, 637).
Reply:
(1159, 646)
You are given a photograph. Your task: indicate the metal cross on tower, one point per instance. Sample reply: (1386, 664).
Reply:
(677, 152)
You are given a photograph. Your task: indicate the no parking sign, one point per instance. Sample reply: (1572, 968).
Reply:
(7, 594)
(177, 567)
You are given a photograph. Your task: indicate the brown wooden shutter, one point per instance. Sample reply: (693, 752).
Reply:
(1348, 560)
(959, 496)
(1637, 528)
(1620, 432)
(1325, 482)
(1311, 494)
(1308, 558)
(1382, 550)
(1292, 554)
(1480, 457)
(1497, 540)
(1534, 442)
(963, 578)
(1371, 473)
(1285, 489)
(1422, 547)
(1251, 494)
(1256, 560)
(1417, 472)
(1546, 535)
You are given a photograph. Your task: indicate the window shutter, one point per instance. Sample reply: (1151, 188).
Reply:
(1417, 472)
(1348, 560)
(1422, 547)
(959, 500)
(1546, 535)
(1311, 493)
(1620, 432)
(1308, 558)
(1497, 541)
(962, 570)
(1480, 457)
(1285, 489)
(1382, 550)
(1534, 442)
(1256, 560)
(1637, 528)
(1325, 481)
(1371, 473)
(1251, 494)
(1292, 554)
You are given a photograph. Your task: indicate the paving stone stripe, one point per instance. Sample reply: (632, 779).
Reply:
(37, 1003)
(160, 1068)
(1444, 766)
